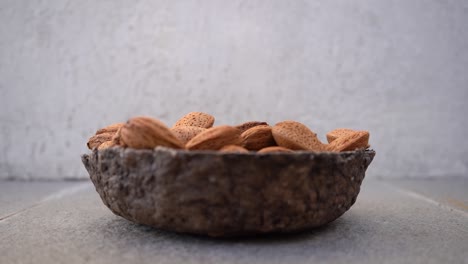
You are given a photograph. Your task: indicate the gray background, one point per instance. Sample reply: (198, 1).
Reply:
(395, 68)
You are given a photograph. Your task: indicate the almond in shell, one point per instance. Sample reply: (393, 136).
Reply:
(274, 149)
(215, 138)
(110, 129)
(233, 149)
(107, 144)
(353, 141)
(247, 125)
(196, 119)
(116, 138)
(147, 133)
(98, 139)
(336, 133)
(296, 136)
(186, 133)
(258, 137)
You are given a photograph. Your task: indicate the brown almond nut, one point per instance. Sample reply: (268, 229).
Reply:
(197, 119)
(258, 137)
(247, 125)
(215, 138)
(107, 144)
(116, 138)
(274, 149)
(186, 133)
(97, 140)
(296, 136)
(233, 149)
(110, 129)
(353, 141)
(336, 133)
(147, 133)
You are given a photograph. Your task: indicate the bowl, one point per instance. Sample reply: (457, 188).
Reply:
(227, 194)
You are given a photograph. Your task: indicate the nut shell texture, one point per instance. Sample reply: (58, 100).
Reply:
(258, 137)
(248, 125)
(352, 141)
(186, 133)
(147, 133)
(197, 119)
(215, 138)
(339, 132)
(296, 136)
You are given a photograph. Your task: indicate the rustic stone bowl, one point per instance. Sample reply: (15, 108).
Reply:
(227, 194)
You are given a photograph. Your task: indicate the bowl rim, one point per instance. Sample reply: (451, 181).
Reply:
(223, 153)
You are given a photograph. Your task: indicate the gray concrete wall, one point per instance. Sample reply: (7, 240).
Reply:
(396, 68)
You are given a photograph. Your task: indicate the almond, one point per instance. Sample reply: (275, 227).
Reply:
(274, 149)
(197, 119)
(147, 133)
(107, 144)
(352, 141)
(336, 133)
(258, 137)
(110, 129)
(296, 136)
(247, 125)
(234, 149)
(97, 140)
(186, 133)
(215, 138)
(116, 138)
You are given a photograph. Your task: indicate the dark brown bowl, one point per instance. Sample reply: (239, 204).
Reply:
(227, 194)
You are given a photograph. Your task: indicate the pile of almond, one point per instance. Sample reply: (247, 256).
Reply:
(195, 131)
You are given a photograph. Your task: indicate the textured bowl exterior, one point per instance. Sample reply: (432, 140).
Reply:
(227, 194)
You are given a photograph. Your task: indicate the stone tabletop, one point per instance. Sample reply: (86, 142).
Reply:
(398, 221)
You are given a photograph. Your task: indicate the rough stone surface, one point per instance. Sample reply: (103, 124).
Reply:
(227, 194)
